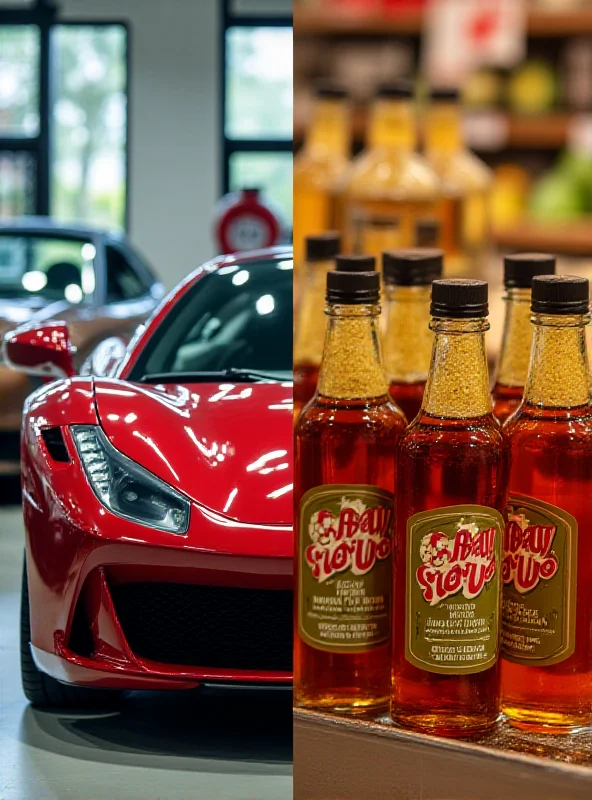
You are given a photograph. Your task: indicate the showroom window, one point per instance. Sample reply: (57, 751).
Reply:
(257, 98)
(63, 117)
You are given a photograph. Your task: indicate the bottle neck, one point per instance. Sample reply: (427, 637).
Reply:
(311, 322)
(393, 125)
(443, 129)
(352, 367)
(408, 340)
(517, 341)
(458, 381)
(329, 134)
(558, 372)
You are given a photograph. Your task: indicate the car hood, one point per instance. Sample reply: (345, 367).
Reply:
(227, 446)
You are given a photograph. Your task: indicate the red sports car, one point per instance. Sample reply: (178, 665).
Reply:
(157, 494)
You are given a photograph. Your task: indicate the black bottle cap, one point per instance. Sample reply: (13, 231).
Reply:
(441, 94)
(355, 263)
(459, 298)
(353, 288)
(397, 90)
(560, 294)
(520, 269)
(323, 247)
(325, 90)
(414, 267)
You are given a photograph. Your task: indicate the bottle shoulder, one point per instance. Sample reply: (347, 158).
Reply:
(327, 415)
(461, 172)
(532, 426)
(378, 173)
(425, 433)
(318, 173)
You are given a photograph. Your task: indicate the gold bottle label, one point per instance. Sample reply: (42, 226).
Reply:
(539, 574)
(453, 589)
(345, 567)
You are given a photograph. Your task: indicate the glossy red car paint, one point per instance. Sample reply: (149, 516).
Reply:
(226, 446)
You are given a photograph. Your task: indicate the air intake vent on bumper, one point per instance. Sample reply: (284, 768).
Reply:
(56, 446)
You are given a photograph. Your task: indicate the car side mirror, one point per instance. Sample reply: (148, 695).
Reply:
(44, 350)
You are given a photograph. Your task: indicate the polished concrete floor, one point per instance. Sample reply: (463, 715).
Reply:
(161, 746)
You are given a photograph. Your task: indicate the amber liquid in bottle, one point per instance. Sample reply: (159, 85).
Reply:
(310, 332)
(346, 437)
(318, 170)
(465, 184)
(515, 355)
(451, 455)
(375, 235)
(389, 179)
(550, 439)
(407, 345)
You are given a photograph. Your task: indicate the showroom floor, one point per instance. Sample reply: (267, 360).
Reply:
(165, 746)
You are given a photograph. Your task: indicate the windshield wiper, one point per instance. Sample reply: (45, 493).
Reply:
(236, 375)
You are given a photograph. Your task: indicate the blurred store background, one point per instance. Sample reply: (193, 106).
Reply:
(524, 72)
(139, 115)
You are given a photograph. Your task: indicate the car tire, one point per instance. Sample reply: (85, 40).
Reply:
(43, 691)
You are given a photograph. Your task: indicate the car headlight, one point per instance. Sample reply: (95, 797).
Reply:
(126, 488)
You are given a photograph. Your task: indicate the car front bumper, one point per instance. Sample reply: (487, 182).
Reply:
(107, 595)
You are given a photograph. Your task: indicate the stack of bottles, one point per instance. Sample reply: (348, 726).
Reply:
(442, 566)
(391, 195)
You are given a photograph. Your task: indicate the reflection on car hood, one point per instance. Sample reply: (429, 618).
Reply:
(227, 446)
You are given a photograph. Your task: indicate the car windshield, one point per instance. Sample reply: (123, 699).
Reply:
(49, 268)
(238, 318)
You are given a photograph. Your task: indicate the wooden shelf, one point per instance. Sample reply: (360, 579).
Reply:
(542, 132)
(408, 22)
(560, 23)
(352, 759)
(314, 22)
(545, 131)
(569, 238)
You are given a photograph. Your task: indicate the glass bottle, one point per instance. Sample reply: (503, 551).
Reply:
(428, 233)
(344, 483)
(407, 342)
(451, 490)
(465, 183)
(374, 235)
(320, 166)
(309, 322)
(519, 270)
(547, 567)
(389, 179)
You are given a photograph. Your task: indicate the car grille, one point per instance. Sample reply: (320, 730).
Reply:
(207, 626)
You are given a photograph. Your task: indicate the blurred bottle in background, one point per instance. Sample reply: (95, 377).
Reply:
(389, 179)
(310, 322)
(512, 371)
(407, 341)
(374, 235)
(428, 232)
(320, 166)
(465, 182)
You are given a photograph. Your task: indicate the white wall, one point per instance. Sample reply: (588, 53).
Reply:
(174, 118)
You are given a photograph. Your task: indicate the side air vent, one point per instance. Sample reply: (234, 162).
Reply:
(54, 441)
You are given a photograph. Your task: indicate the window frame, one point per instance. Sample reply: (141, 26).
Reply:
(231, 146)
(45, 16)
